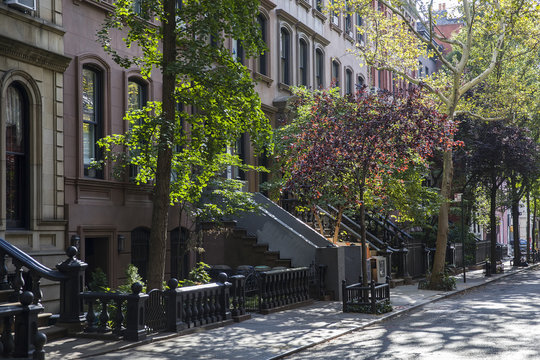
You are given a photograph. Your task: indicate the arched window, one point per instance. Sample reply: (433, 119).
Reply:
(335, 73)
(17, 161)
(360, 82)
(262, 68)
(348, 81)
(285, 56)
(92, 112)
(303, 63)
(319, 69)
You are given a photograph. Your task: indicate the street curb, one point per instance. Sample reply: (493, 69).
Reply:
(392, 315)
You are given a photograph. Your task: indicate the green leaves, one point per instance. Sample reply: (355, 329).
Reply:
(216, 92)
(339, 149)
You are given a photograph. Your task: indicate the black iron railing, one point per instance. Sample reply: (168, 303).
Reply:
(283, 287)
(128, 313)
(20, 337)
(358, 298)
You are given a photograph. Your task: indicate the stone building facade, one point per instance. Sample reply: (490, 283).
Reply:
(60, 92)
(32, 193)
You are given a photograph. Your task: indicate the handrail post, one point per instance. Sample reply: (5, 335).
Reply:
(175, 308)
(135, 319)
(224, 298)
(71, 303)
(238, 290)
(26, 325)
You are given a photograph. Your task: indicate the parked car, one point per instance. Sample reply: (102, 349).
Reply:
(522, 246)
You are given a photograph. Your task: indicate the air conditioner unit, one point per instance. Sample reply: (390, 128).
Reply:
(381, 269)
(22, 4)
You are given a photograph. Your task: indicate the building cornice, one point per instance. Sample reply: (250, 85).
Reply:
(33, 55)
(268, 5)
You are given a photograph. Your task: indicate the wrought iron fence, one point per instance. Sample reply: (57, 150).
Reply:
(356, 297)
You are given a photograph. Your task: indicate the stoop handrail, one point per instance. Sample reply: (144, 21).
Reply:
(27, 261)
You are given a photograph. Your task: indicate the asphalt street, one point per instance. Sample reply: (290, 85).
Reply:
(498, 321)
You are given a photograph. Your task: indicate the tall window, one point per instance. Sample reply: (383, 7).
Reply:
(16, 158)
(240, 150)
(359, 35)
(140, 239)
(335, 15)
(137, 97)
(285, 56)
(348, 81)
(335, 73)
(238, 51)
(319, 5)
(262, 58)
(303, 63)
(348, 19)
(319, 68)
(92, 119)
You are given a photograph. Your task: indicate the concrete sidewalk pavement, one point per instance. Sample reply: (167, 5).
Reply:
(264, 336)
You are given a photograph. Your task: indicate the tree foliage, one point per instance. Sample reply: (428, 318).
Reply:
(338, 149)
(493, 34)
(180, 144)
(496, 153)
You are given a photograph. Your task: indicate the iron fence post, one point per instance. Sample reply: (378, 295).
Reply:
(71, 303)
(135, 319)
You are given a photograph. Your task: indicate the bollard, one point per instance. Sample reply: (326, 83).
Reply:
(488, 268)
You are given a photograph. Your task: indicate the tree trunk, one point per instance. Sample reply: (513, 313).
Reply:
(528, 223)
(515, 220)
(160, 199)
(442, 230)
(364, 239)
(493, 227)
(533, 232)
(338, 224)
(319, 220)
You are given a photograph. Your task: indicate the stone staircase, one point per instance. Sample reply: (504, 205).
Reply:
(258, 254)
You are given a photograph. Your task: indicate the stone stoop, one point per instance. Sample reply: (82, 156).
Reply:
(258, 254)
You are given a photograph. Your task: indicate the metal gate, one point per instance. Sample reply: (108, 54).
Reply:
(156, 318)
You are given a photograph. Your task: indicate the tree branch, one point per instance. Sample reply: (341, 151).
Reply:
(480, 117)
(428, 42)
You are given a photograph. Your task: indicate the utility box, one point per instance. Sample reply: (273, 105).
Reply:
(380, 269)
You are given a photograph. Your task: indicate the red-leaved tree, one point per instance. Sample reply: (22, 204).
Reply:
(337, 148)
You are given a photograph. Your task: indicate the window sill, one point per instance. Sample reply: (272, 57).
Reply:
(348, 36)
(304, 3)
(264, 78)
(284, 87)
(336, 28)
(319, 15)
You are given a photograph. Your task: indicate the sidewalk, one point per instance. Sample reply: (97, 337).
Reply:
(264, 336)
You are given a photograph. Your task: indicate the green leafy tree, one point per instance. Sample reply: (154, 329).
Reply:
(339, 150)
(394, 43)
(208, 100)
(497, 153)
